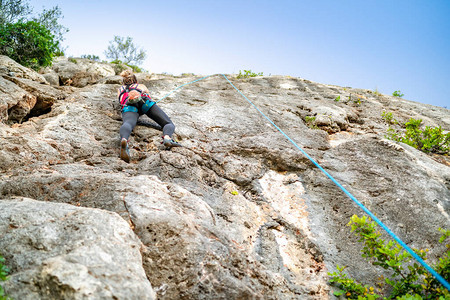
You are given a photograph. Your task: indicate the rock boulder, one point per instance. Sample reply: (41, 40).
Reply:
(60, 251)
(80, 72)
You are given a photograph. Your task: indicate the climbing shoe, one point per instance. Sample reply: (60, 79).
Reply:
(124, 151)
(169, 143)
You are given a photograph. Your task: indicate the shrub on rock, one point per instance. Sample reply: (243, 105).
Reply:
(30, 44)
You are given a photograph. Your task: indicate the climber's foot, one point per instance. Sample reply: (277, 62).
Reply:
(169, 143)
(124, 151)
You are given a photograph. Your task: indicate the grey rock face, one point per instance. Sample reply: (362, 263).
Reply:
(59, 251)
(52, 77)
(15, 103)
(81, 72)
(22, 98)
(238, 212)
(11, 68)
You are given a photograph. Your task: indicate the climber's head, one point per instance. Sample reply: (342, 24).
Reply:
(128, 77)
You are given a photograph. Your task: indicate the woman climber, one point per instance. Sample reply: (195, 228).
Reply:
(136, 101)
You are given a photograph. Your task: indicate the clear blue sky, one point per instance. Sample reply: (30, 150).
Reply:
(374, 44)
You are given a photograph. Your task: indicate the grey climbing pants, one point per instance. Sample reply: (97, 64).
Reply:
(155, 113)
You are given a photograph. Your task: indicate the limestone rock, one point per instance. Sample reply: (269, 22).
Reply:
(59, 251)
(238, 212)
(52, 77)
(80, 72)
(11, 68)
(45, 95)
(119, 68)
(15, 103)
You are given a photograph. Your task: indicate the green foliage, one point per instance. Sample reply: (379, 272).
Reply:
(248, 74)
(3, 277)
(376, 92)
(30, 44)
(12, 11)
(398, 94)
(91, 57)
(349, 287)
(31, 41)
(120, 66)
(429, 140)
(356, 101)
(59, 52)
(49, 18)
(135, 68)
(408, 280)
(310, 119)
(445, 235)
(349, 99)
(123, 49)
(15, 11)
(72, 60)
(389, 117)
(310, 122)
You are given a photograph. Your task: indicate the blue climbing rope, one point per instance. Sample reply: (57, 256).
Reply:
(367, 211)
(177, 88)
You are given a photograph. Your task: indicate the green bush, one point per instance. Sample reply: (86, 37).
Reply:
(3, 277)
(72, 60)
(23, 38)
(28, 43)
(429, 140)
(248, 74)
(389, 117)
(120, 66)
(91, 57)
(377, 92)
(407, 279)
(311, 122)
(136, 69)
(398, 94)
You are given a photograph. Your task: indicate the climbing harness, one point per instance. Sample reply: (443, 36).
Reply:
(142, 103)
(365, 209)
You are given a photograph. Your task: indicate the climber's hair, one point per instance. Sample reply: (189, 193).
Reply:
(128, 77)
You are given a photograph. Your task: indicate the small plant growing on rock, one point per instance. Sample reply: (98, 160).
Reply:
(72, 60)
(349, 287)
(429, 140)
(3, 277)
(388, 117)
(407, 280)
(248, 74)
(310, 122)
(376, 92)
(398, 94)
(338, 98)
(135, 68)
(119, 66)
